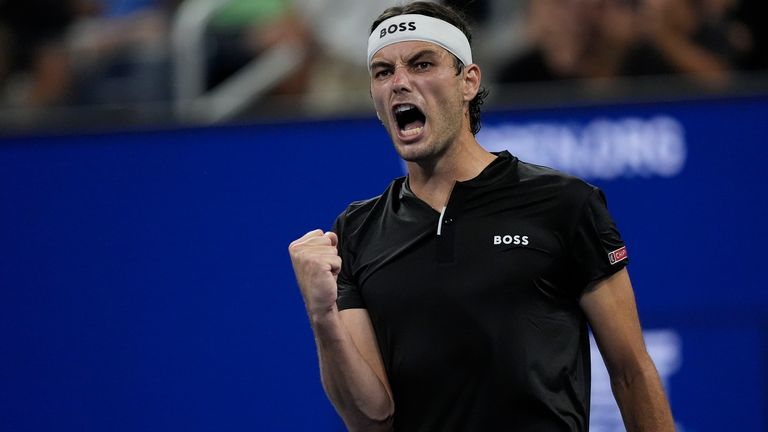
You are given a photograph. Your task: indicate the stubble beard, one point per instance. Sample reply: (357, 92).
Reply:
(444, 130)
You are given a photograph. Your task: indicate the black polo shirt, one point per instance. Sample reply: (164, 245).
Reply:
(479, 324)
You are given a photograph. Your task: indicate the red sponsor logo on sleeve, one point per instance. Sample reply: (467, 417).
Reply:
(618, 255)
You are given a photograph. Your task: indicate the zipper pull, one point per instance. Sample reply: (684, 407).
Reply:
(440, 221)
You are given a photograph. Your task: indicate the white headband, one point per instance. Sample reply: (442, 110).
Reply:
(412, 27)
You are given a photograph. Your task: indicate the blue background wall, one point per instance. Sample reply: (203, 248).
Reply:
(145, 283)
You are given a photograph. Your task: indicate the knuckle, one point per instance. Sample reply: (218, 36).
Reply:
(300, 255)
(295, 249)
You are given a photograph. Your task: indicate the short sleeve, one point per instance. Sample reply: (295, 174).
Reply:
(596, 247)
(348, 291)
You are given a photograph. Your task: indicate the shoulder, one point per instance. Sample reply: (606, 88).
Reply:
(357, 212)
(568, 189)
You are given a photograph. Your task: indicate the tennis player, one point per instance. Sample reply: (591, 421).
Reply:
(460, 298)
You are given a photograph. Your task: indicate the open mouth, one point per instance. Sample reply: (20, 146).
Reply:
(410, 119)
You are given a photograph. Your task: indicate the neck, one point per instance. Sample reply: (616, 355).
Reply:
(432, 180)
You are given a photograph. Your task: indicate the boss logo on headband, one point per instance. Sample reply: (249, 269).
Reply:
(394, 28)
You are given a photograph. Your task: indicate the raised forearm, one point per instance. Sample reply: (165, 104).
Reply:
(350, 364)
(641, 399)
(357, 393)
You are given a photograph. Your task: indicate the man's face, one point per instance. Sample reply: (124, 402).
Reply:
(419, 97)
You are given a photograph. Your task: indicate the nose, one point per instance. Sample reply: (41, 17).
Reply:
(400, 80)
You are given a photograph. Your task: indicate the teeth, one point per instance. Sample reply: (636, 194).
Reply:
(404, 107)
(411, 132)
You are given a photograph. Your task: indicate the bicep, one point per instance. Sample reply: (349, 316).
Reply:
(612, 313)
(358, 324)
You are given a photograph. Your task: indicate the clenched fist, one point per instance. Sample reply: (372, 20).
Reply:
(316, 263)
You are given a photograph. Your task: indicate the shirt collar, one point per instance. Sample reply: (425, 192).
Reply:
(496, 170)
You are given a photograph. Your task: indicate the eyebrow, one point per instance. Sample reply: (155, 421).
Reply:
(427, 52)
(380, 64)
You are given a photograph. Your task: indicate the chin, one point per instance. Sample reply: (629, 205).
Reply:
(418, 152)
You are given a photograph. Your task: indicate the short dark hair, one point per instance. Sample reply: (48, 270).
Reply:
(455, 18)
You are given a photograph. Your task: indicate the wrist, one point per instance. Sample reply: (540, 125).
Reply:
(322, 315)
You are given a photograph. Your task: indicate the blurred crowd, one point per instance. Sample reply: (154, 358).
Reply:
(602, 39)
(112, 52)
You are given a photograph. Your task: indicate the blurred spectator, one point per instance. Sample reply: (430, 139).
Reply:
(689, 37)
(34, 65)
(573, 39)
(120, 51)
(723, 32)
(610, 38)
(242, 29)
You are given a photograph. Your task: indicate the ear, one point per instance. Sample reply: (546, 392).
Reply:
(472, 78)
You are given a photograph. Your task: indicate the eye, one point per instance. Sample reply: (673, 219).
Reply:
(382, 73)
(422, 66)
